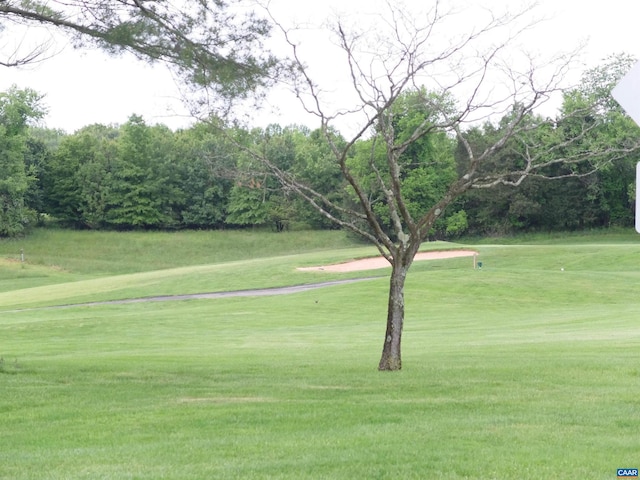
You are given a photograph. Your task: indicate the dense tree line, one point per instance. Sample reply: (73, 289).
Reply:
(140, 176)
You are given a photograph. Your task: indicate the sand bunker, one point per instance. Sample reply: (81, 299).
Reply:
(380, 262)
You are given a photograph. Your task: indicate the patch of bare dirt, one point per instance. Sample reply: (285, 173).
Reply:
(380, 262)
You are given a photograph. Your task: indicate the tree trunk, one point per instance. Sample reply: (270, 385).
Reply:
(391, 355)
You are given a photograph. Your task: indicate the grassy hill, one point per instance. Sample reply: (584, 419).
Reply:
(527, 368)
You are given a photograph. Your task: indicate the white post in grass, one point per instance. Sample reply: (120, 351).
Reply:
(637, 197)
(627, 94)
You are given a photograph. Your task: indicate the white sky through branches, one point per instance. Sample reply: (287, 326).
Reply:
(83, 87)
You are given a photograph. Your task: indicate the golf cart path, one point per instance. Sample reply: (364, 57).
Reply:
(258, 292)
(371, 263)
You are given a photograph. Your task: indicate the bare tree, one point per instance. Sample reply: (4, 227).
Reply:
(472, 77)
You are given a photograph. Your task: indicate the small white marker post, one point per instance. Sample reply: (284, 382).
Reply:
(637, 197)
(627, 94)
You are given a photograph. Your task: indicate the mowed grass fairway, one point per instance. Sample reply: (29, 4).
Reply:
(519, 370)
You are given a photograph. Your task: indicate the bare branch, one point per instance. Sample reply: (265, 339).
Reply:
(21, 52)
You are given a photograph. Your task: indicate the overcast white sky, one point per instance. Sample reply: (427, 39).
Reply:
(85, 87)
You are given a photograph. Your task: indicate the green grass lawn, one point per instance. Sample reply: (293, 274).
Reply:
(520, 370)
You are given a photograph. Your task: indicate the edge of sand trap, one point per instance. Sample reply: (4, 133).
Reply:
(373, 263)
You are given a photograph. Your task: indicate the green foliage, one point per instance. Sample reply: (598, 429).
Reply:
(258, 198)
(138, 176)
(36, 158)
(76, 175)
(13, 184)
(133, 176)
(456, 223)
(17, 109)
(248, 204)
(588, 194)
(280, 146)
(426, 166)
(137, 195)
(203, 166)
